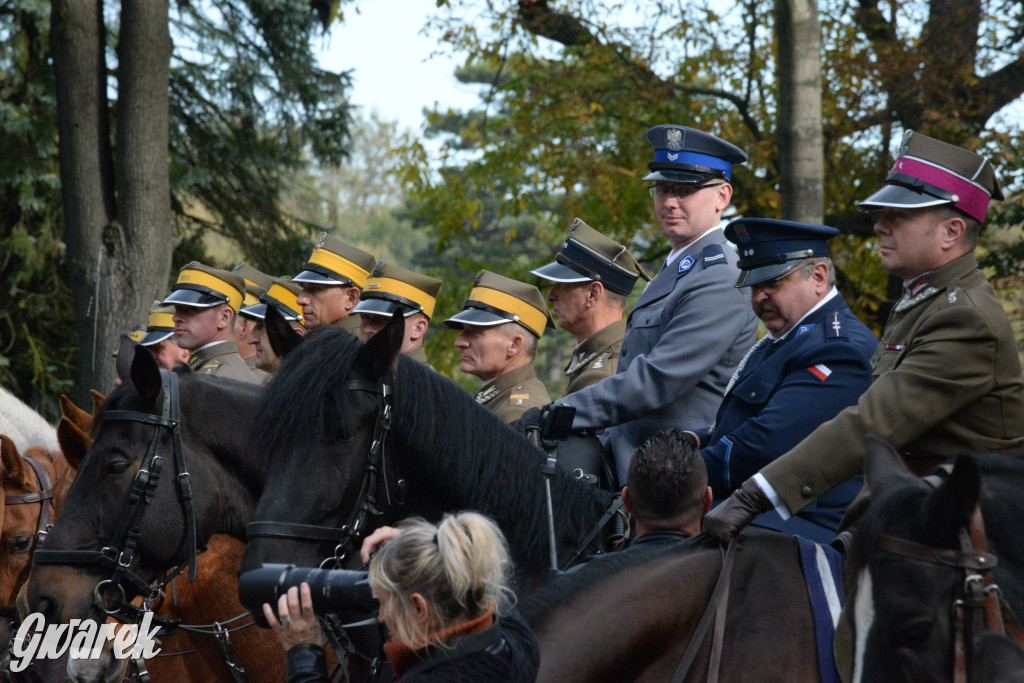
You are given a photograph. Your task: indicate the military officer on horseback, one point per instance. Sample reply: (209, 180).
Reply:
(159, 338)
(593, 275)
(691, 326)
(256, 285)
(500, 324)
(283, 295)
(205, 302)
(947, 376)
(390, 290)
(332, 282)
(814, 361)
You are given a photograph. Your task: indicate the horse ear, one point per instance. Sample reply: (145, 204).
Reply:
(883, 466)
(125, 356)
(145, 376)
(953, 503)
(281, 335)
(73, 440)
(97, 401)
(378, 355)
(76, 415)
(13, 464)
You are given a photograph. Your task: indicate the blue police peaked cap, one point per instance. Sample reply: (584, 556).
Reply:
(770, 248)
(687, 155)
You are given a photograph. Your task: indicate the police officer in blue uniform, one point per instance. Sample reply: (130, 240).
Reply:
(691, 326)
(814, 361)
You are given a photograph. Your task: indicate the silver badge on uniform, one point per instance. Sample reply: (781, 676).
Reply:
(674, 139)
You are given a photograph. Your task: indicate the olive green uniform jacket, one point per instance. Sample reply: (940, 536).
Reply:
(511, 395)
(222, 360)
(419, 355)
(596, 357)
(262, 376)
(947, 380)
(350, 323)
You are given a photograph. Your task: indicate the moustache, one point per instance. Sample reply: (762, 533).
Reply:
(764, 308)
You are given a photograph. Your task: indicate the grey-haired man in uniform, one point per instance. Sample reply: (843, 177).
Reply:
(390, 290)
(691, 326)
(332, 282)
(282, 295)
(593, 275)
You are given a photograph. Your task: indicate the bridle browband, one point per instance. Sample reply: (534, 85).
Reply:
(44, 496)
(380, 487)
(977, 605)
(119, 553)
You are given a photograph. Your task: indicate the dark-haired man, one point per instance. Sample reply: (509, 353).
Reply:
(332, 282)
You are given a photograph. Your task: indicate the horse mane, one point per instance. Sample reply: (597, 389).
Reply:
(306, 398)
(24, 426)
(556, 593)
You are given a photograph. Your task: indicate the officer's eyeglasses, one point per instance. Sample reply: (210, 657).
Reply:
(771, 286)
(678, 191)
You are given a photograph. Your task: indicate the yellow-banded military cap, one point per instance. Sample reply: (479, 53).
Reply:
(283, 295)
(202, 287)
(496, 299)
(334, 262)
(687, 155)
(587, 255)
(256, 283)
(390, 289)
(929, 172)
(160, 326)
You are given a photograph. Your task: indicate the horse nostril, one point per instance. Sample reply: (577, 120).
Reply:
(49, 606)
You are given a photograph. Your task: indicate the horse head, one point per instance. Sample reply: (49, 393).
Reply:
(331, 392)
(133, 456)
(902, 605)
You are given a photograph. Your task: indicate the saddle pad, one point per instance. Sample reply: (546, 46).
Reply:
(823, 574)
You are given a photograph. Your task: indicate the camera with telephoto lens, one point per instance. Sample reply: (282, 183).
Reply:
(342, 592)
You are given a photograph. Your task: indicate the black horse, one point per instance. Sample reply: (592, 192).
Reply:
(320, 418)
(226, 481)
(904, 597)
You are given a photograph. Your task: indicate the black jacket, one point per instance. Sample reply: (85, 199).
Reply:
(506, 651)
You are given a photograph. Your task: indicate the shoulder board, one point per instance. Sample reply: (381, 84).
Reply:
(713, 255)
(517, 399)
(834, 327)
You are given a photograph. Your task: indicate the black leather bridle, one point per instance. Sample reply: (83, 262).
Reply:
(380, 486)
(119, 553)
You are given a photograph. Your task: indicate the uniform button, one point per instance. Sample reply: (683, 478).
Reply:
(753, 394)
(806, 492)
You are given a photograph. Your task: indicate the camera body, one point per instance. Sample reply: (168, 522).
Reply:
(343, 592)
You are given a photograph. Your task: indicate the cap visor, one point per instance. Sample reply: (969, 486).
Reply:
(156, 336)
(474, 316)
(190, 297)
(254, 312)
(314, 278)
(680, 176)
(897, 195)
(375, 307)
(755, 276)
(556, 272)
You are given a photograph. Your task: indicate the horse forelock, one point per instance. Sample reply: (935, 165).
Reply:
(462, 449)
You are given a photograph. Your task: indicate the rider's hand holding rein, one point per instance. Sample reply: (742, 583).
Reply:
(738, 510)
(298, 623)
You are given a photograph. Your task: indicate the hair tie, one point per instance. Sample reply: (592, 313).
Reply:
(435, 538)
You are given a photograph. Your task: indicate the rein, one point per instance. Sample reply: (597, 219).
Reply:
(375, 491)
(119, 554)
(977, 606)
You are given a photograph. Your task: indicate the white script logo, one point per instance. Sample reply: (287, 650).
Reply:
(81, 639)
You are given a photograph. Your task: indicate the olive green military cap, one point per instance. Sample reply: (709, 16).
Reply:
(256, 283)
(200, 286)
(929, 172)
(160, 325)
(390, 289)
(334, 262)
(283, 295)
(587, 256)
(496, 299)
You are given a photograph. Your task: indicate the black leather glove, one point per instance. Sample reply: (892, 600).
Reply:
(530, 419)
(738, 510)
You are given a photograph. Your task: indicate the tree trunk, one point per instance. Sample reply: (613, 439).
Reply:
(86, 175)
(799, 136)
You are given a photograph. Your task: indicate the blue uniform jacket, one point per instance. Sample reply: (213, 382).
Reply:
(783, 393)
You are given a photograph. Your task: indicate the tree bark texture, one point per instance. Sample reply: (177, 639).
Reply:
(799, 134)
(118, 246)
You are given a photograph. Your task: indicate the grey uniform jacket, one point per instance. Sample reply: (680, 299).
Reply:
(685, 337)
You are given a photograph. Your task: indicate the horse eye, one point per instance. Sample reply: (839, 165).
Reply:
(19, 544)
(915, 633)
(117, 466)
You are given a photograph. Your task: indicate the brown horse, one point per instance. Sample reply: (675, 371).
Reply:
(213, 598)
(630, 617)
